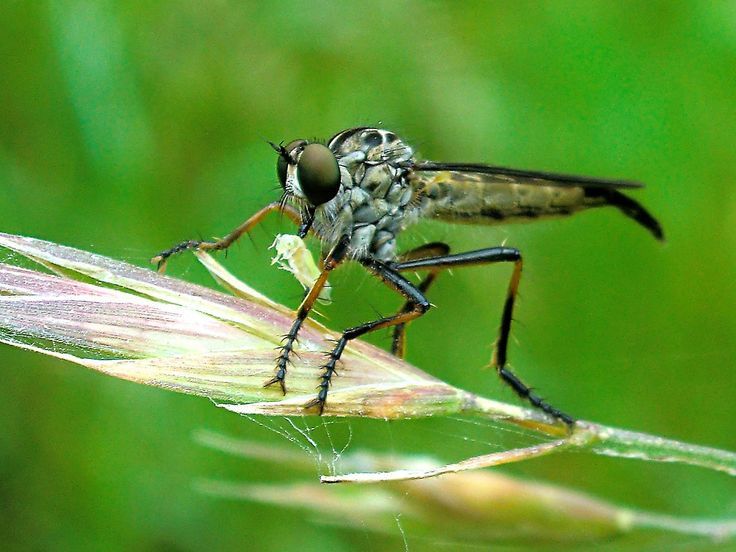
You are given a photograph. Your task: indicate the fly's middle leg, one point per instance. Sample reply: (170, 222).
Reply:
(434, 249)
(418, 305)
(486, 256)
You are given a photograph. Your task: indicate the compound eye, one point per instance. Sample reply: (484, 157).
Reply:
(318, 174)
(285, 159)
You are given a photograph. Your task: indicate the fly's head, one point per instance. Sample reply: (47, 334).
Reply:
(308, 173)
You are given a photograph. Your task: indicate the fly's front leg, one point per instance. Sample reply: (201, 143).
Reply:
(484, 256)
(414, 297)
(434, 249)
(232, 237)
(332, 260)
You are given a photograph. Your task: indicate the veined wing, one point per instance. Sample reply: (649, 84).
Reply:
(485, 194)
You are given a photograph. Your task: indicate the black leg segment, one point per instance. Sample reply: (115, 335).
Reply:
(486, 256)
(333, 259)
(434, 249)
(418, 305)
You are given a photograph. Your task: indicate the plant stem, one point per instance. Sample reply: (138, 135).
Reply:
(610, 441)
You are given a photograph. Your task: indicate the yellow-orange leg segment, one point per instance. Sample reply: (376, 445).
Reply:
(331, 261)
(232, 237)
(418, 305)
(485, 256)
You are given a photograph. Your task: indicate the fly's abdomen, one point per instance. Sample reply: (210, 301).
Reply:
(484, 199)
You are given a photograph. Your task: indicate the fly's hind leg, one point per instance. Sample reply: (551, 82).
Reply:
(434, 249)
(486, 256)
(418, 306)
(232, 237)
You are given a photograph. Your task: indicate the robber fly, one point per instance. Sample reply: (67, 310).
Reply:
(361, 189)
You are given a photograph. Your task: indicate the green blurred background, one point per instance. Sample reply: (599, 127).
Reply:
(128, 126)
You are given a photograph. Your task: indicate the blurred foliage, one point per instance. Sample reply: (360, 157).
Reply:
(128, 126)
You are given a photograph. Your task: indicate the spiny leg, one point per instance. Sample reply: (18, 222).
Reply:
(232, 237)
(484, 256)
(390, 277)
(332, 260)
(434, 249)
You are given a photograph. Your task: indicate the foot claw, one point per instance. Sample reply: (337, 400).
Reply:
(279, 378)
(319, 403)
(160, 262)
(568, 420)
(276, 379)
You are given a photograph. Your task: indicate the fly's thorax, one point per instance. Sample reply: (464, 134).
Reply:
(371, 206)
(369, 145)
(372, 211)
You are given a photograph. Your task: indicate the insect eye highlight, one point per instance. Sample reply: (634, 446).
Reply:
(285, 158)
(372, 139)
(318, 173)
